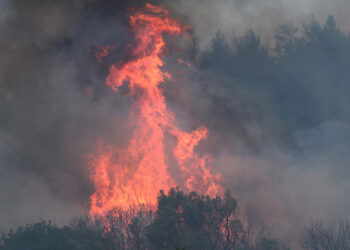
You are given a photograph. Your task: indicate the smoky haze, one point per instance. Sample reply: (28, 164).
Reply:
(277, 110)
(237, 16)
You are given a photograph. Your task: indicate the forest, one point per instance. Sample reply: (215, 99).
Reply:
(180, 221)
(297, 82)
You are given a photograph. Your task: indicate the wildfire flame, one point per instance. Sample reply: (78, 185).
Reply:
(138, 172)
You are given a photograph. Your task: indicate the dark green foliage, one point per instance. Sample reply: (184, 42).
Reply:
(312, 75)
(193, 221)
(243, 59)
(45, 235)
(181, 221)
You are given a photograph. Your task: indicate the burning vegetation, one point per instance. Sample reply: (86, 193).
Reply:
(120, 117)
(134, 175)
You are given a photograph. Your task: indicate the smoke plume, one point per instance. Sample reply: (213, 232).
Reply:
(280, 142)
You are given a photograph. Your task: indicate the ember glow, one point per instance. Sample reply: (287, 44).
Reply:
(102, 51)
(125, 177)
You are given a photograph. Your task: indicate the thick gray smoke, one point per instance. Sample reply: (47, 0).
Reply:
(237, 16)
(280, 142)
(54, 106)
(282, 177)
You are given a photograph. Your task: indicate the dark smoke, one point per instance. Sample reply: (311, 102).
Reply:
(49, 123)
(279, 123)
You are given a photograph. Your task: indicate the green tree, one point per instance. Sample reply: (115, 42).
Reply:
(196, 222)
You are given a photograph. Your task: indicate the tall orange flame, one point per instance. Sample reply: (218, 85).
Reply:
(141, 170)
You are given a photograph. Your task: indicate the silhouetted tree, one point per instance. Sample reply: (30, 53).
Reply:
(45, 235)
(285, 39)
(198, 222)
(181, 221)
(301, 83)
(331, 236)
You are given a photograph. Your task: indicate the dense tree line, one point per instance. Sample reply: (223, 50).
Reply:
(299, 81)
(181, 221)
